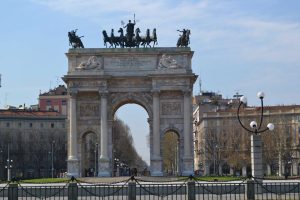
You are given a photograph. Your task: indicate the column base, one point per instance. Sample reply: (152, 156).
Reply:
(156, 167)
(73, 168)
(187, 167)
(104, 169)
(157, 173)
(187, 173)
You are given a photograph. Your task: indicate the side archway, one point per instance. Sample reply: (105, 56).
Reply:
(170, 152)
(89, 153)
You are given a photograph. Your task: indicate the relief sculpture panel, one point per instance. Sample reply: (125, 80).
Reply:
(171, 108)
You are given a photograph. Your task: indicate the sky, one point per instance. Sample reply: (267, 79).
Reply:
(239, 46)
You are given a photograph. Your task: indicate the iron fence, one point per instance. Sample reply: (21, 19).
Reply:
(271, 190)
(43, 192)
(138, 189)
(230, 191)
(4, 190)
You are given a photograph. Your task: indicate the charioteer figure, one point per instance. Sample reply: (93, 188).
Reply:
(130, 30)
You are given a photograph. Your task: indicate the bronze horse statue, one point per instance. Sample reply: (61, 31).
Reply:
(184, 39)
(113, 41)
(149, 39)
(154, 37)
(106, 39)
(74, 40)
(121, 39)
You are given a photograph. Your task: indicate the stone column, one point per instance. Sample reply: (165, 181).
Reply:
(187, 124)
(156, 161)
(104, 169)
(73, 163)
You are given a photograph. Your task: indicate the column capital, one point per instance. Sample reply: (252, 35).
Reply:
(73, 92)
(155, 92)
(187, 92)
(103, 93)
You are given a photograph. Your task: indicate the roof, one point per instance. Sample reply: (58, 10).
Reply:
(269, 110)
(60, 90)
(27, 113)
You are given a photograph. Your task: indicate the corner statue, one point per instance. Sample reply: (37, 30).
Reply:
(74, 40)
(184, 38)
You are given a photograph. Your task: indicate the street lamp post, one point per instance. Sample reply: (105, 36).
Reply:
(9, 164)
(256, 143)
(96, 150)
(52, 159)
(215, 149)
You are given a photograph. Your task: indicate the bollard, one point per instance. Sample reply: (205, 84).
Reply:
(73, 191)
(13, 191)
(132, 191)
(250, 190)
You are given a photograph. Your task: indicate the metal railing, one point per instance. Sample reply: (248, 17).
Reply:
(139, 189)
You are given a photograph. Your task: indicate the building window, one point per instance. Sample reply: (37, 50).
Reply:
(48, 102)
(30, 125)
(52, 125)
(63, 125)
(7, 124)
(64, 102)
(20, 124)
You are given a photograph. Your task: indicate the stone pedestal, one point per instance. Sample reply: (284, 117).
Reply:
(256, 156)
(188, 168)
(73, 168)
(104, 168)
(156, 167)
(256, 161)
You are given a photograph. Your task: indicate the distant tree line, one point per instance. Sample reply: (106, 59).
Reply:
(123, 146)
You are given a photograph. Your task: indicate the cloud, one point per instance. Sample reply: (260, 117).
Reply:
(225, 34)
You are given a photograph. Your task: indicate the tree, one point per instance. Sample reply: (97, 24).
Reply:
(170, 152)
(123, 147)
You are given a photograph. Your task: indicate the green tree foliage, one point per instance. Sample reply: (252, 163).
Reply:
(170, 152)
(123, 147)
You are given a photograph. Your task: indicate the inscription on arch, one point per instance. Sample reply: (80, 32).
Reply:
(171, 108)
(89, 110)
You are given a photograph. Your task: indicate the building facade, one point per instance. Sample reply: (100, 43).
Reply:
(54, 100)
(222, 146)
(33, 140)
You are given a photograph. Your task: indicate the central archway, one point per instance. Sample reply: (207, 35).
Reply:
(131, 145)
(121, 100)
(102, 80)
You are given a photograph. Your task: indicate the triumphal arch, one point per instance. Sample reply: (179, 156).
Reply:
(102, 80)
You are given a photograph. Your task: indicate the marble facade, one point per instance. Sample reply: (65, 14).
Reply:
(102, 80)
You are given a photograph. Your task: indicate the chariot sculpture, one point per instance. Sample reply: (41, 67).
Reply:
(132, 38)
